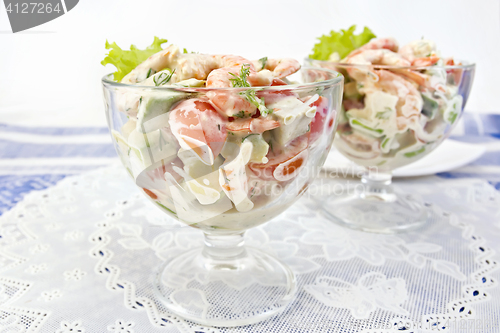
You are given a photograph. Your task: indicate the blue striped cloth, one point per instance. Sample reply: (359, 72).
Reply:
(483, 129)
(34, 158)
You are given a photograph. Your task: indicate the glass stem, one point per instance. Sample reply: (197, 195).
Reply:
(377, 186)
(224, 247)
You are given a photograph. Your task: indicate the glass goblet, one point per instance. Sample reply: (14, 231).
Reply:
(390, 117)
(222, 177)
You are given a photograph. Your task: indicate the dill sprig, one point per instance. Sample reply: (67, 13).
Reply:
(258, 102)
(249, 135)
(163, 78)
(240, 114)
(263, 61)
(241, 80)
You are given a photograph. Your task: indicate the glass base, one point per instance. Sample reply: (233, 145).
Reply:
(375, 214)
(247, 288)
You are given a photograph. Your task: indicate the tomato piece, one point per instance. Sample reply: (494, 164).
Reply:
(150, 194)
(318, 123)
(272, 96)
(449, 62)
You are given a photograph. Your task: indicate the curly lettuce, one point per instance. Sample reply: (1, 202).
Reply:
(126, 60)
(342, 43)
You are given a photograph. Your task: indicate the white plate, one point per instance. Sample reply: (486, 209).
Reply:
(449, 155)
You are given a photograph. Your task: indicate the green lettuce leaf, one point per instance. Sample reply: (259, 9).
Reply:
(126, 60)
(343, 42)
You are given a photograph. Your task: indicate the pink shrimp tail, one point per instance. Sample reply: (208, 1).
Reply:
(226, 102)
(282, 67)
(252, 125)
(381, 43)
(426, 61)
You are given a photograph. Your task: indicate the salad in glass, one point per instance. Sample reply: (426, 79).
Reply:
(223, 144)
(399, 104)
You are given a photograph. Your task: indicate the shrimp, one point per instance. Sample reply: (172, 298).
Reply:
(218, 70)
(252, 125)
(381, 43)
(282, 67)
(377, 57)
(271, 70)
(420, 53)
(215, 69)
(195, 66)
(231, 104)
(387, 58)
(426, 61)
(229, 67)
(375, 44)
(199, 127)
(228, 103)
(186, 65)
(285, 164)
(409, 99)
(372, 57)
(421, 79)
(200, 66)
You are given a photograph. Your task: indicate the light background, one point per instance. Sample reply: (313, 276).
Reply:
(50, 75)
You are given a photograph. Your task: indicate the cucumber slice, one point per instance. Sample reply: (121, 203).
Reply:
(414, 153)
(430, 107)
(367, 129)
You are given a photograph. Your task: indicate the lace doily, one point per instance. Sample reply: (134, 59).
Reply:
(81, 257)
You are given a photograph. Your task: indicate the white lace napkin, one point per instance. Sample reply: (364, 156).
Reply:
(81, 257)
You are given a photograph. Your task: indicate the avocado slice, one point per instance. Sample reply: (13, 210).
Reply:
(155, 105)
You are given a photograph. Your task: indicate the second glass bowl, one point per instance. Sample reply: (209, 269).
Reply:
(392, 116)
